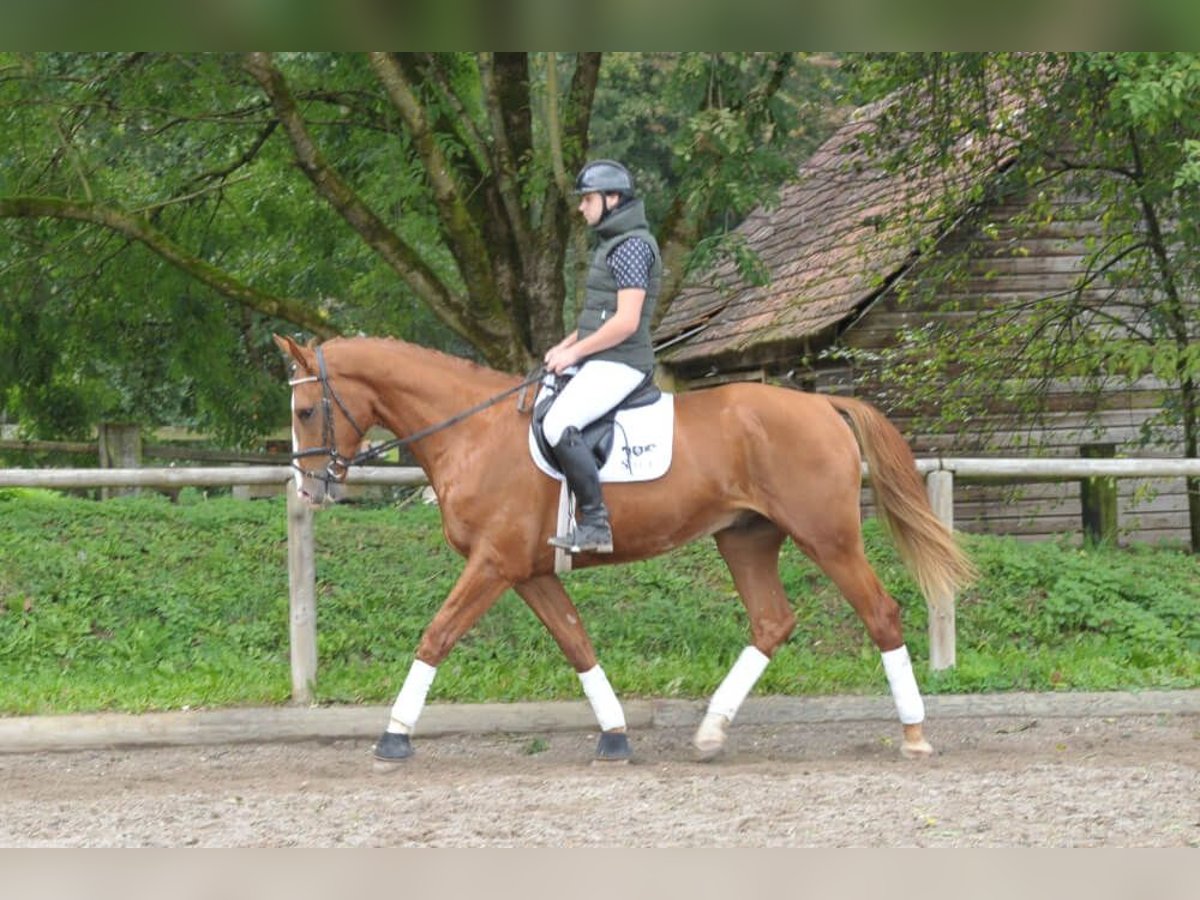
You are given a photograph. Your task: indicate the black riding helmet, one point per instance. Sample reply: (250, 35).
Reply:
(606, 177)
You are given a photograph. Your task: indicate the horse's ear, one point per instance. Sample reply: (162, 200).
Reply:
(303, 357)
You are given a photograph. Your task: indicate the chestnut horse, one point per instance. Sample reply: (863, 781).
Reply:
(752, 466)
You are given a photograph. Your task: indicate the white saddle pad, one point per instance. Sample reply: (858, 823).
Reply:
(642, 439)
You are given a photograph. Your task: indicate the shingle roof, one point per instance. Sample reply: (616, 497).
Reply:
(839, 232)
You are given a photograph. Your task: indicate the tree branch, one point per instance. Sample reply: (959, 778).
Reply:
(464, 122)
(677, 236)
(464, 240)
(184, 198)
(244, 159)
(578, 118)
(570, 138)
(498, 90)
(424, 282)
(760, 97)
(553, 126)
(570, 133)
(140, 230)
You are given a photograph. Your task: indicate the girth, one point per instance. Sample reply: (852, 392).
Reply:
(597, 435)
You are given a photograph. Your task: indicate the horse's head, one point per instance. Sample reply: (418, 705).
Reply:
(326, 433)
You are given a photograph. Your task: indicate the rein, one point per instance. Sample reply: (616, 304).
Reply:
(337, 461)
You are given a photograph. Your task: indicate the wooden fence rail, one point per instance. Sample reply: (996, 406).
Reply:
(154, 451)
(940, 475)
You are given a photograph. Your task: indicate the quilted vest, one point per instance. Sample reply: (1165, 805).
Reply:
(600, 298)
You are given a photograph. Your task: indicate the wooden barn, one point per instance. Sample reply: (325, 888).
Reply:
(846, 267)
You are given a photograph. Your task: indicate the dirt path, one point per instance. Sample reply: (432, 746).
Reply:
(1127, 781)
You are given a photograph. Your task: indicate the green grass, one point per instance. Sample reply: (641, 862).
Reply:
(139, 604)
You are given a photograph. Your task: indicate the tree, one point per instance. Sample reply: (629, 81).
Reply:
(1118, 131)
(424, 194)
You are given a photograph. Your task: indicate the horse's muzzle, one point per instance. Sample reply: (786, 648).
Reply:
(320, 488)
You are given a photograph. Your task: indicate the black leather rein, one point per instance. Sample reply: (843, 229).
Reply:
(339, 464)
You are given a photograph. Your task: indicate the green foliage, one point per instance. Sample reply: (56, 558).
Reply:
(1134, 610)
(131, 604)
(1095, 144)
(140, 604)
(97, 326)
(703, 134)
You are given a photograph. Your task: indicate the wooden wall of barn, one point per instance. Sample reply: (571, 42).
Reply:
(1011, 263)
(1008, 263)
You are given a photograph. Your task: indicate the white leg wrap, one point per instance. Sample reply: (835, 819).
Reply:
(903, 683)
(604, 701)
(728, 698)
(411, 700)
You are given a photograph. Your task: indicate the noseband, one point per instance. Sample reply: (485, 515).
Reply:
(339, 465)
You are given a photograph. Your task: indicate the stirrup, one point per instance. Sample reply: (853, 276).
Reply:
(585, 539)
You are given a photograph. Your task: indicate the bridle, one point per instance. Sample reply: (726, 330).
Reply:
(340, 464)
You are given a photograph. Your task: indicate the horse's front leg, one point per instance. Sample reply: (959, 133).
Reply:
(477, 588)
(550, 603)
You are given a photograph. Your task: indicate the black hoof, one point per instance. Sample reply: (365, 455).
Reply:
(393, 747)
(613, 747)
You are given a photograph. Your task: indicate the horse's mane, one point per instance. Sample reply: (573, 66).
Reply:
(468, 369)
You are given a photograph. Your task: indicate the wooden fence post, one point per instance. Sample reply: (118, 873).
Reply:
(302, 589)
(939, 485)
(1098, 499)
(120, 447)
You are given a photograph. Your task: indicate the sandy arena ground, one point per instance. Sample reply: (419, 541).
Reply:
(1129, 781)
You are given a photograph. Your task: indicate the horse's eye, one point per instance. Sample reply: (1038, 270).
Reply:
(304, 414)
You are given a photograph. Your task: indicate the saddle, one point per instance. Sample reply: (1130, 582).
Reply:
(639, 429)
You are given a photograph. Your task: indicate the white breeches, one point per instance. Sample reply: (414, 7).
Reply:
(597, 387)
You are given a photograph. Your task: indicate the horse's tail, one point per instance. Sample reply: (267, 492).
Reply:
(927, 547)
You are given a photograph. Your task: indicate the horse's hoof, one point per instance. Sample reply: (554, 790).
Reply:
(916, 749)
(390, 749)
(915, 746)
(707, 751)
(613, 747)
(710, 737)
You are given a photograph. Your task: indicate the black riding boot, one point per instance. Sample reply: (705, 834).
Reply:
(592, 531)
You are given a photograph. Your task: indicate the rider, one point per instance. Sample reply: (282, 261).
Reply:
(611, 346)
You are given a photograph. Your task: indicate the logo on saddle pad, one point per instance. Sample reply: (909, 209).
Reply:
(632, 444)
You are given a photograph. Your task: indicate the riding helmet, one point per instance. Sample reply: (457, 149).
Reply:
(604, 176)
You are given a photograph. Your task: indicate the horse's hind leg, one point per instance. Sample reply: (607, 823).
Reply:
(846, 563)
(751, 551)
(550, 603)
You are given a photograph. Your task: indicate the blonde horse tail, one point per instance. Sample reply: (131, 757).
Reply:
(926, 546)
